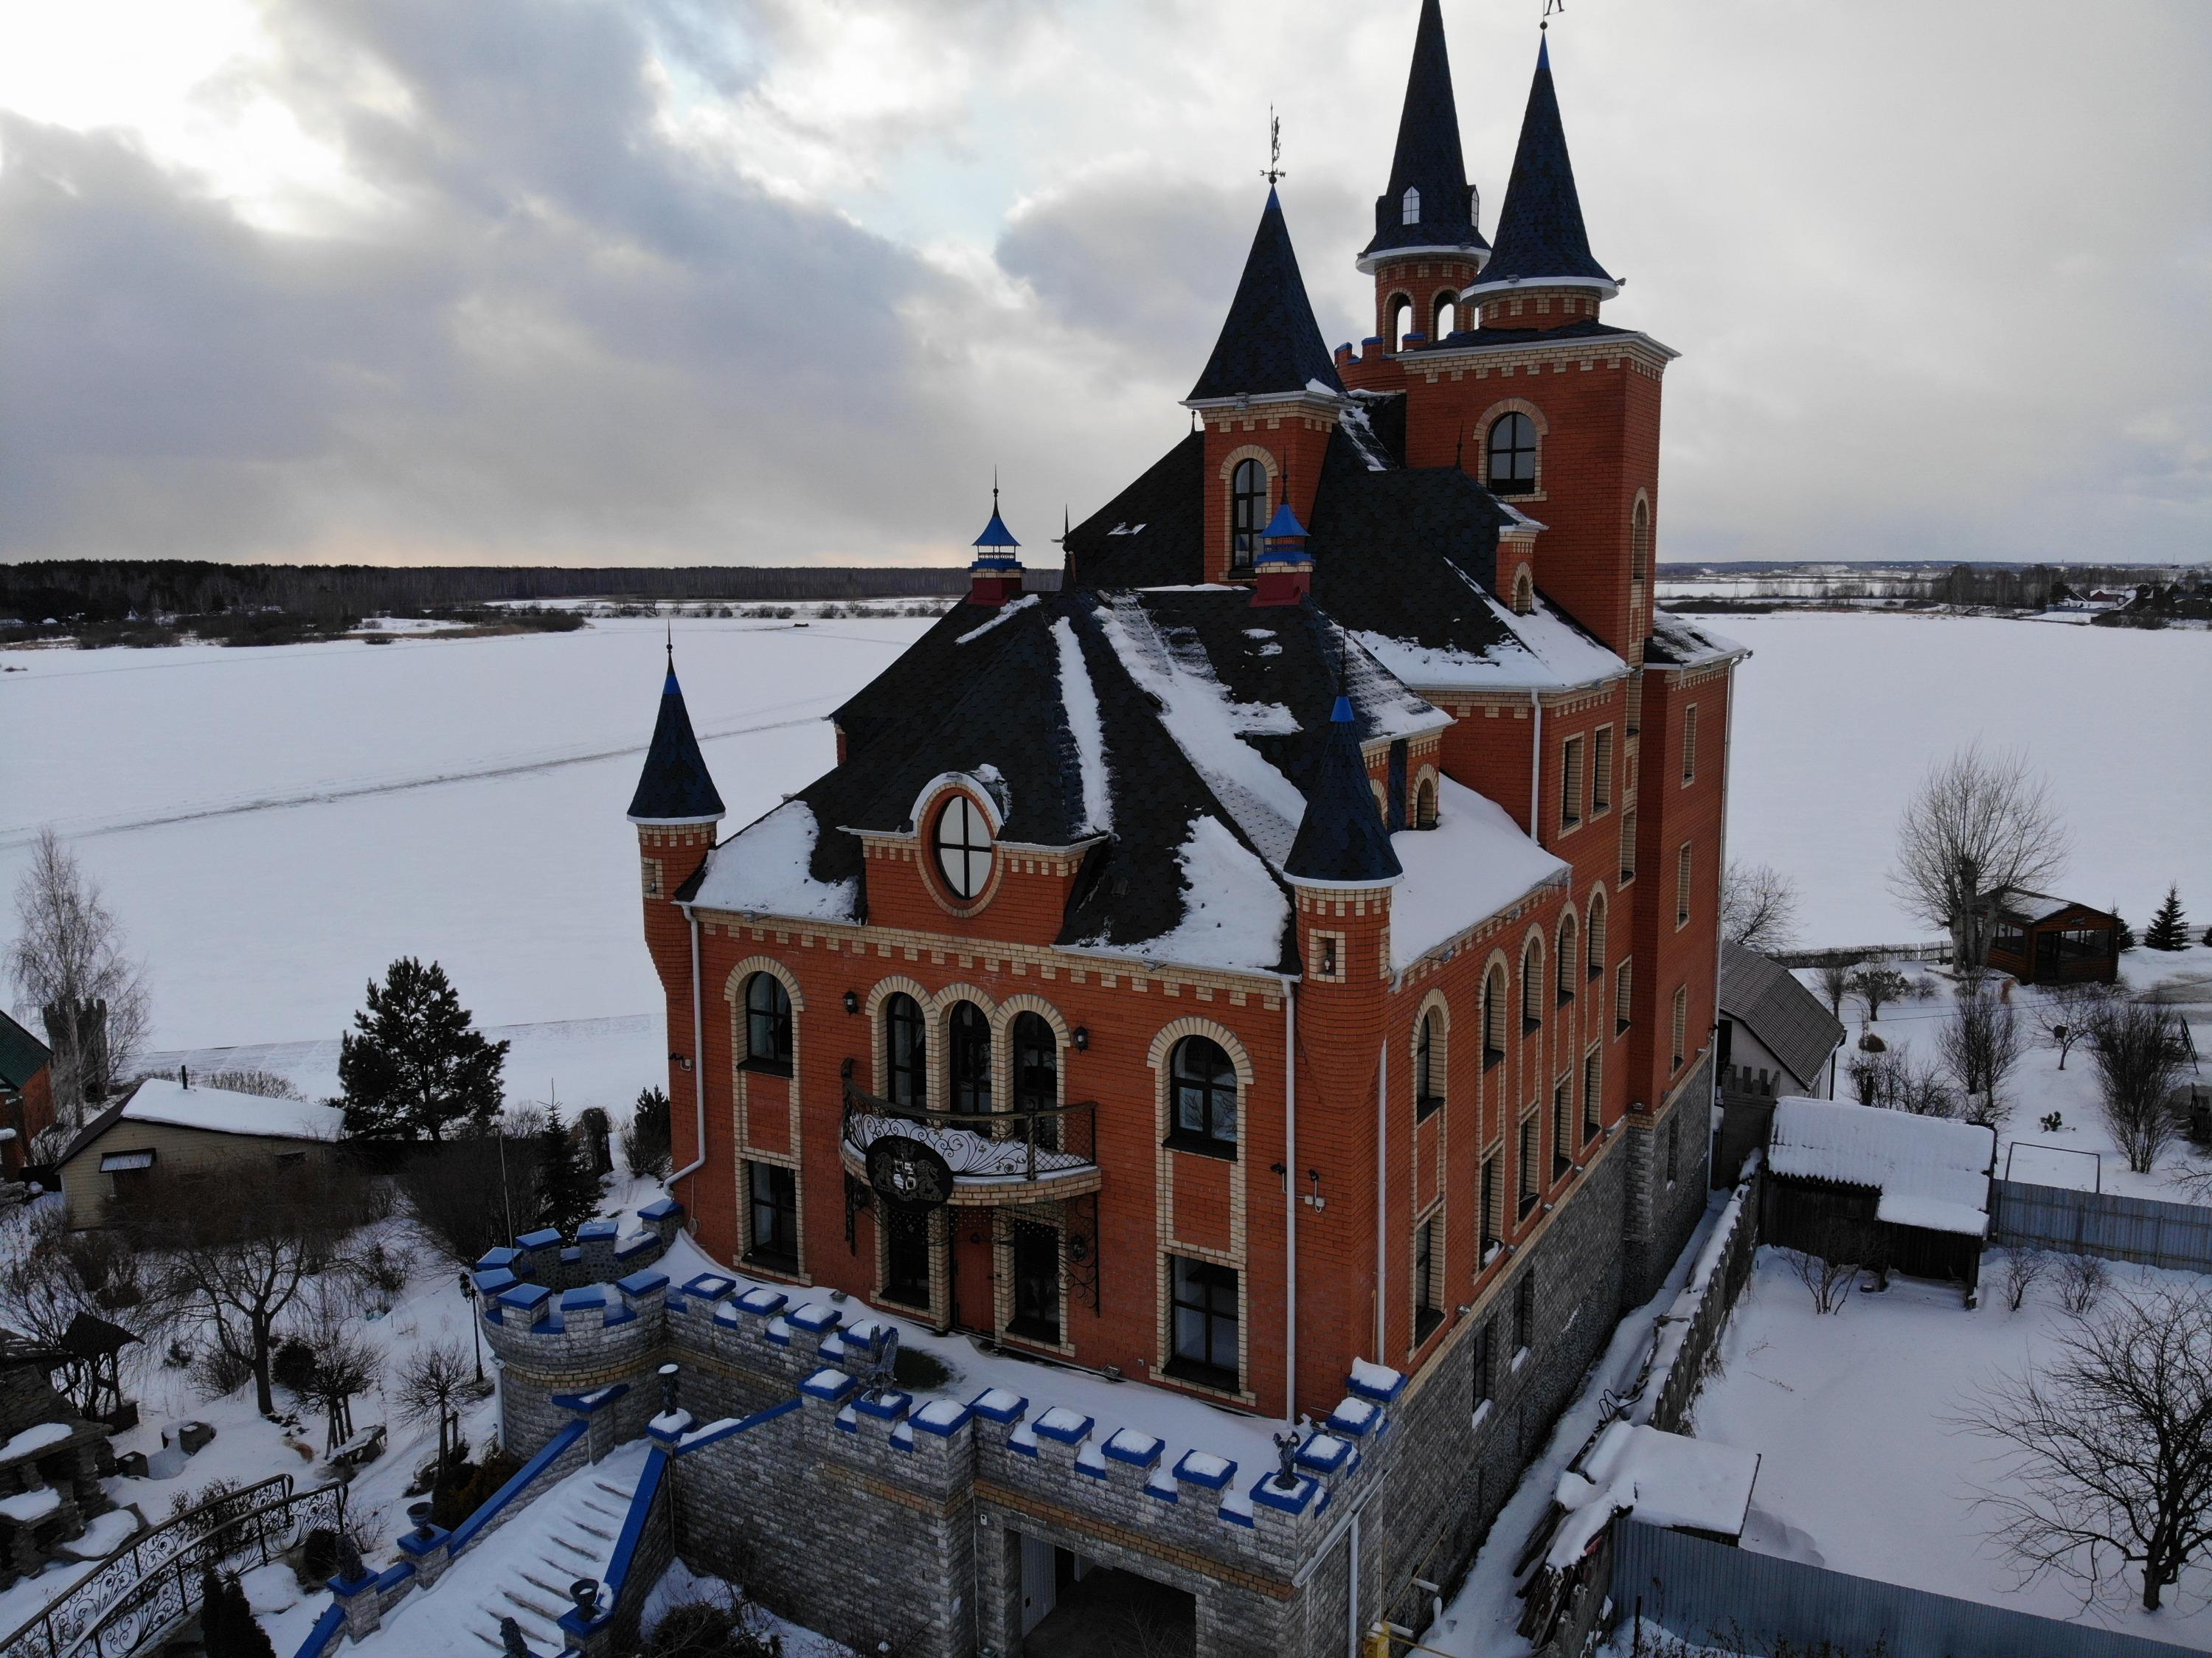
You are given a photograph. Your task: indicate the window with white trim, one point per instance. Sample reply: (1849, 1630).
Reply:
(1602, 771)
(963, 840)
(1409, 206)
(1571, 784)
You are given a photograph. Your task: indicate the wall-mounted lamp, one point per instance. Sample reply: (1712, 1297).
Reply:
(681, 1061)
(1280, 1173)
(852, 1001)
(1314, 1200)
(1082, 1039)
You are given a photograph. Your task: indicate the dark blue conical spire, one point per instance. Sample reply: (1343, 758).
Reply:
(1342, 840)
(1429, 161)
(1270, 342)
(1539, 232)
(674, 786)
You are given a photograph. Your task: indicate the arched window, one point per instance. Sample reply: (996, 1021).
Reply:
(1595, 942)
(1494, 1016)
(906, 1052)
(970, 1056)
(1639, 543)
(963, 846)
(1428, 1068)
(768, 1024)
(1524, 592)
(1532, 988)
(1248, 511)
(1447, 320)
(1037, 1074)
(1570, 959)
(1409, 206)
(1401, 320)
(1205, 1085)
(1424, 804)
(1512, 452)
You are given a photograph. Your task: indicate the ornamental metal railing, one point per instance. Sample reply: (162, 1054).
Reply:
(980, 1147)
(150, 1585)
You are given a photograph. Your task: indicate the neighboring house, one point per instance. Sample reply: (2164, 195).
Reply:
(167, 1124)
(1776, 1039)
(50, 1462)
(1882, 1189)
(27, 1095)
(2042, 939)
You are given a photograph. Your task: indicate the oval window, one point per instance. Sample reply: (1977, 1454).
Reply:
(963, 846)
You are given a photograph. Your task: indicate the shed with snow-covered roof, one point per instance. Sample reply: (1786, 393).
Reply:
(1883, 1189)
(168, 1123)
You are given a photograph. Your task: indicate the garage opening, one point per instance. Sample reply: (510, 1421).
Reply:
(1073, 1607)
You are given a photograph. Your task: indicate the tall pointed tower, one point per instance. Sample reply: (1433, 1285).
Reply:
(1269, 396)
(1542, 274)
(1428, 246)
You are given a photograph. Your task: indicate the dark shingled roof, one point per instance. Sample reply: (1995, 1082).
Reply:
(22, 1055)
(1502, 334)
(1788, 1019)
(1539, 232)
(674, 786)
(1270, 342)
(1151, 534)
(1429, 158)
(1342, 840)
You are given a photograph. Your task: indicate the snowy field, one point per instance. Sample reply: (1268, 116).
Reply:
(1862, 1467)
(276, 825)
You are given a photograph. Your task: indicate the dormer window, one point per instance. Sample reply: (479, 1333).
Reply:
(1524, 592)
(1410, 206)
(962, 841)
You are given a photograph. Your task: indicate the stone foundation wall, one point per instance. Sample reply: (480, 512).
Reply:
(1660, 1214)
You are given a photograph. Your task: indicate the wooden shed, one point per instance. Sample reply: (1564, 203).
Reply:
(165, 1123)
(2041, 939)
(1882, 1189)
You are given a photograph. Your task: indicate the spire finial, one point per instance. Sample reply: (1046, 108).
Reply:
(1273, 170)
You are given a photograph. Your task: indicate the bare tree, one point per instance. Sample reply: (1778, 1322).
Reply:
(2139, 1054)
(2064, 1013)
(1829, 1281)
(1758, 907)
(1834, 979)
(2082, 1283)
(240, 1253)
(69, 968)
(1877, 984)
(468, 1195)
(48, 1275)
(266, 1083)
(1977, 823)
(1981, 1045)
(435, 1381)
(2024, 1269)
(2107, 1448)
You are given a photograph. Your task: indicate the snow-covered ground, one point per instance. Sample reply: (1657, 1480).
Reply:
(1863, 1467)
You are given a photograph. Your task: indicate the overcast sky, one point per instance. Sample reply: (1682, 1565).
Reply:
(780, 281)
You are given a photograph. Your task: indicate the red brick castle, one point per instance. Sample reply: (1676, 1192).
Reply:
(1293, 940)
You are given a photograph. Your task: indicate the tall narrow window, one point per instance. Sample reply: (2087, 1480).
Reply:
(970, 1055)
(1524, 592)
(768, 1024)
(1639, 543)
(1531, 1176)
(1204, 1320)
(1409, 206)
(1248, 512)
(963, 846)
(1570, 964)
(1601, 771)
(1493, 1017)
(1424, 804)
(1446, 315)
(1627, 846)
(1428, 1069)
(1681, 1026)
(1562, 1122)
(1204, 1084)
(906, 1052)
(1483, 1362)
(775, 1218)
(1524, 1312)
(1690, 743)
(1624, 986)
(1532, 989)
(1401, 320)
(1493, 1211)
(1593, 1095)
(1595, 944)
(1428, 1275)
(1571, 783)
(1511, 452)
(1682, 886)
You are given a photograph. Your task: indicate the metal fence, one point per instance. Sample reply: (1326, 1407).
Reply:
(2144, 1229)
(1700, 1589)
(1937, 949)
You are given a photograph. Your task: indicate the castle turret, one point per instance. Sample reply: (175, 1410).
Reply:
(996, 574)
(1542, 273)
(1270, 397)
(1427, 245)
(1284, 570)
(676, 809)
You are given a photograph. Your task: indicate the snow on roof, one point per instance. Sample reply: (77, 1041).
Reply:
(1686, 644)
(1234, 912)
(220, 1111)
(1475, 862)
(765, 868)
(1546, 652)
(1078, 697)
(1003, 613)
(2020, 904)
(1931, 1172)
(1666, 1479)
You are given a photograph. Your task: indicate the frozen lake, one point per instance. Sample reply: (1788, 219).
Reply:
(274, 826)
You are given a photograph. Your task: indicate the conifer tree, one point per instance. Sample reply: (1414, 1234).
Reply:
(414, 1066)
(215, 1613)
(567, 1190)
(2168, 930)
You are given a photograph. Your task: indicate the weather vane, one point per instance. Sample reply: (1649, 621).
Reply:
(1274, 168)
(1551, 6)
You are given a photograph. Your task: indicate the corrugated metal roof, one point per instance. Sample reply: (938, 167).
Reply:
(1766, 996)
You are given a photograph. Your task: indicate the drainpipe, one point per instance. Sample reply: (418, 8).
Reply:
(1290, 1201)
(698, 1065)
(1536, 768)
(1382, 1187)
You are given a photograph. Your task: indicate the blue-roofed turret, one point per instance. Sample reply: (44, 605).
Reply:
(674, 787)
(1542, 242)
(1428, 207)
(1342, 840)
(995, 576)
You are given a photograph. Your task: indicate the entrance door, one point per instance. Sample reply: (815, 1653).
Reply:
(1040, 1580)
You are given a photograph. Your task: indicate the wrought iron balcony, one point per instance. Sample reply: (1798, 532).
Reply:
(988, 1153)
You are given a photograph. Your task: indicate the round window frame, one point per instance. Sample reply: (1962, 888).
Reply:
(935, 879)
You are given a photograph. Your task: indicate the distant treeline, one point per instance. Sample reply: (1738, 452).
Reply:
(110, 590)
(1990, 587)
